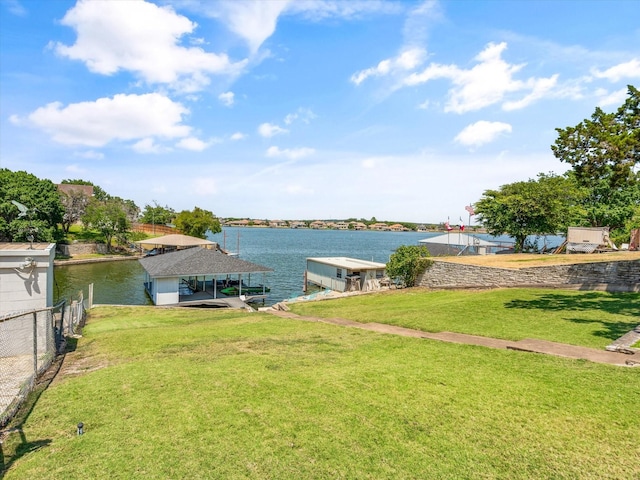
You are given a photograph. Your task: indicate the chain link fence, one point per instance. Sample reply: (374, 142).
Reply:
(29, 343)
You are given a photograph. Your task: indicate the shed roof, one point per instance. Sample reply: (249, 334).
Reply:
(176, 240)
(348, 263)
(197, 261)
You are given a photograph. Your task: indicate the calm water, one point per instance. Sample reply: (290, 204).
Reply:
(283, 250)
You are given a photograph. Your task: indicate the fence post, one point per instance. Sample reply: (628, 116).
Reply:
(35, 345)
(90, 305)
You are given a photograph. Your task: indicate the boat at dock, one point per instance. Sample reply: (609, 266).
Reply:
(235, 291)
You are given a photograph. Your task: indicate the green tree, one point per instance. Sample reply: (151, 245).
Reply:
(604, 152)
(407, 262)
(197, 222)
(110, 218)
(547, 205)
(42, 201)
(75, 204)
(157, 215)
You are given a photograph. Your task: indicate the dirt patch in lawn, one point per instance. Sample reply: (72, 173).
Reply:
(525, 260)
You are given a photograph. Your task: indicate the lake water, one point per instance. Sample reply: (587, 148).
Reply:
(283, 250)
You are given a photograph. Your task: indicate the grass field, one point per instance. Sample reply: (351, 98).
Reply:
(191, 394)
(590, 319)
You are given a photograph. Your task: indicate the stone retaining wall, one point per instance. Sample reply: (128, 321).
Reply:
(82, 248)
(620, 275)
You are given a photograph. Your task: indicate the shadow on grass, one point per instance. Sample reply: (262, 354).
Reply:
(609, 330)
(611, 303)
(18, 447)
(626, 304)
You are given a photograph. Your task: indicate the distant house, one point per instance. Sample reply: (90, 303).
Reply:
(397, 227)
(70, 189)
(26, 276)
(358, 225)
(383, 227)
(344, 274)
(237, 223)
(278, 224)
(318, 225)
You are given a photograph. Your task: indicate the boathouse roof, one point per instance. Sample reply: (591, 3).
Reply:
(348, 263)
(198, 261)
(458, 239)
(175, 240)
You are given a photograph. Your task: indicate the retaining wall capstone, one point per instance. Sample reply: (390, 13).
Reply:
(619, 275)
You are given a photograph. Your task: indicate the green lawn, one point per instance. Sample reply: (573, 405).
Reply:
(591, 319)
(196, 394)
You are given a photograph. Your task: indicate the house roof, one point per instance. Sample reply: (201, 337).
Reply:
(458, 239)
(348, 263)
(69, 188)
(175, 240)
(197, 261)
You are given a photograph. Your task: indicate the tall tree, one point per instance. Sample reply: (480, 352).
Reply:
(547, 205)
(604, 152)
(110, 218)
(44, 210)
(197, 222)
(157, 214)
(75, 203)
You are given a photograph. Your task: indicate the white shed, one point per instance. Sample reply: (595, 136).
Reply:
(344, 274)
(588, 239)
(26, 276)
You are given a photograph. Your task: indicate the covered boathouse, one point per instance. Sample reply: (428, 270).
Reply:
(195, 276)
(344, 274)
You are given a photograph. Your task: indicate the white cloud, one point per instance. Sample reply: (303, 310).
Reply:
(123, 117)
(147, 145)
(269, 130)
(193, 144)
(630, 69)
(318, 10)
(372, 162)
(227, 98)
(482, 132)
(291, 154)
(238, 136)
(143, 38)
(487, 83)
(15, 7)
(252, 21)
(305, 115)
(205, 186)
(75, 168)
(405, 61)
(540, 88)
(614, 98)
(90, 155)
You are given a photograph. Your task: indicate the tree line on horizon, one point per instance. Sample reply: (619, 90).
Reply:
(602, 189)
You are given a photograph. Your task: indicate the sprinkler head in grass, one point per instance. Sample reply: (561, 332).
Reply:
(80, 428)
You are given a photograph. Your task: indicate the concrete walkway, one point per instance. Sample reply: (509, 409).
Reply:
(526, 345)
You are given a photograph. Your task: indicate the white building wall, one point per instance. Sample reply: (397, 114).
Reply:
(326, 276)
(23, 287)
(166, 291)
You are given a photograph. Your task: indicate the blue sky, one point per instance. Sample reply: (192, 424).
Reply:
(399, 110)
